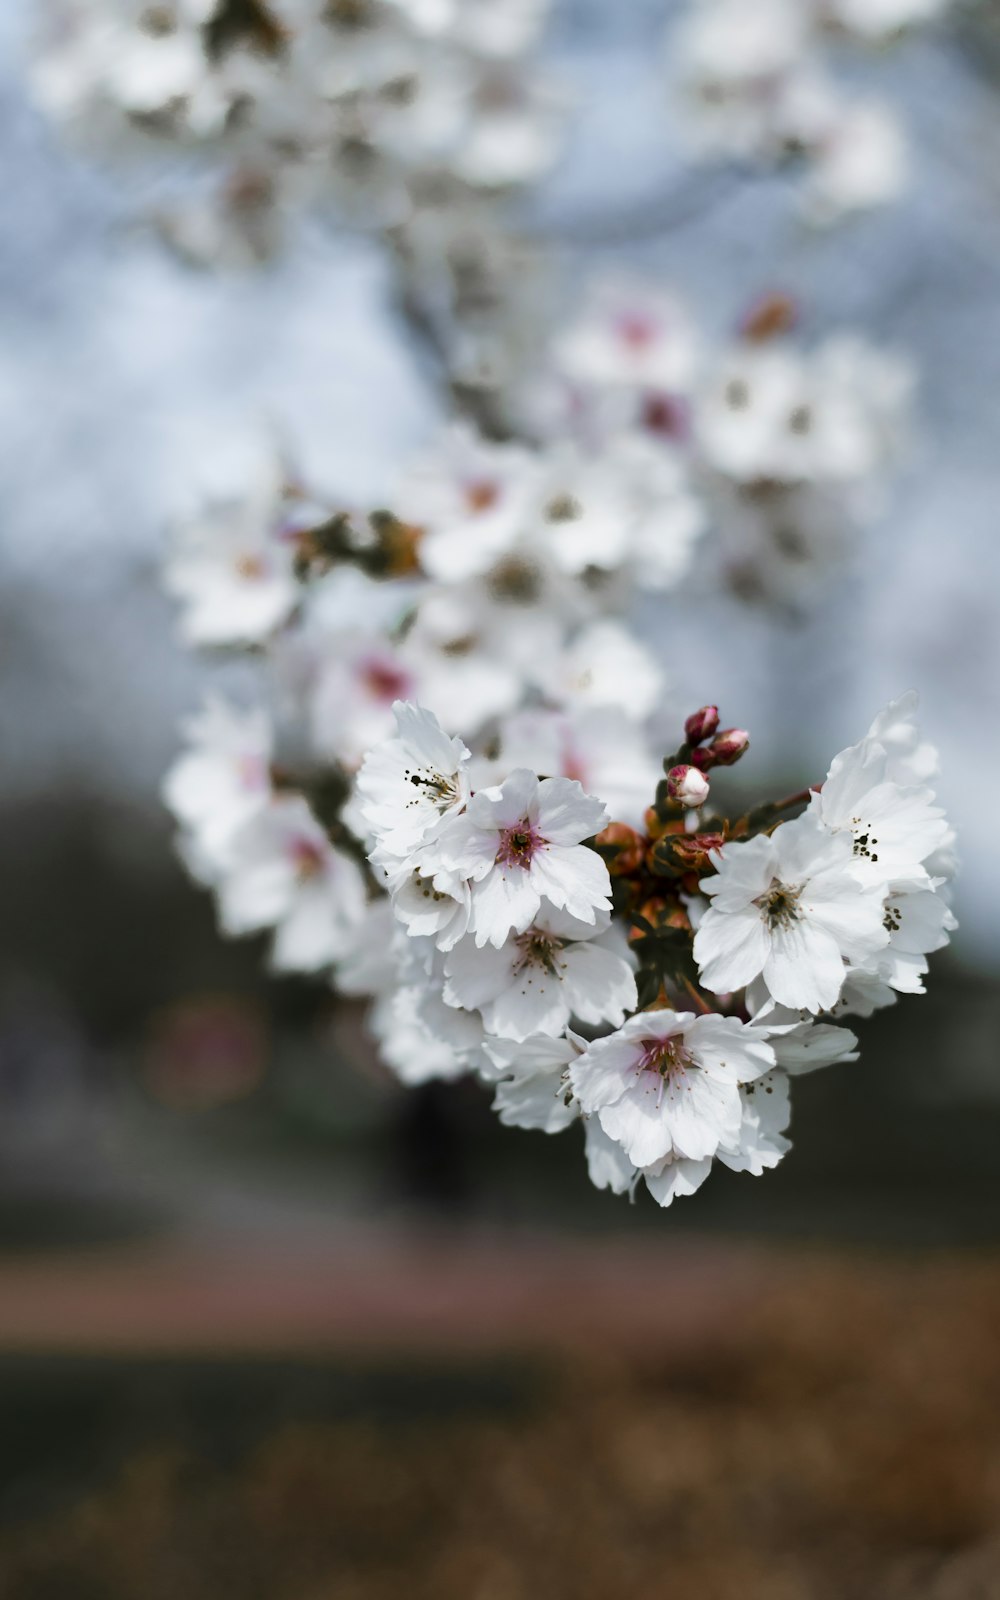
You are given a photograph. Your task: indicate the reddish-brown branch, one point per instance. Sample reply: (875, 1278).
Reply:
(697, 1000)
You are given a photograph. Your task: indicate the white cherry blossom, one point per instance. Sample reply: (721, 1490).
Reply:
(220, 782)
(283, 873)
(893, 829)
(532, 1084)
(668, 1083)
(231, 568)
(519, 844)
(608, 753)
(790, 908)
(409, 785)
(558, 968)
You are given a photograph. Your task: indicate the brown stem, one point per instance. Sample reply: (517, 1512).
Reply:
(790, 800)
(761, 818)
(697, 1000)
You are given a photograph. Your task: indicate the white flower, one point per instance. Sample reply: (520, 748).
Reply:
(609, 754)
(627, 506)
(675, 1177)
(220, 782)
(605, 665)
(232, 567)
(910, 759)
(285, 874)
(519, 844)
(775, 415)
(788, 907)
(631, 337)
(738, 65)
(667, 1083)
(766, 1114)
(607, 1164)
(863, 161)
(415, 1051)
(919, 923)
(557, 968)
(759, 1146)
(803, 1046)
(358, 676)
(409, 785)
(893, 829)
(863, 994)
(532, 1085)
(419, 1036)
(432, 905)
(369, 966)
(473, 501)
(879, 19)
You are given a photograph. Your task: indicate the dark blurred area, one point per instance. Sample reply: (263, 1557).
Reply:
(271, 1325)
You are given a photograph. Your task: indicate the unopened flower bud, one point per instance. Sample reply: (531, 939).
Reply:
(622, 848)
(687, 786)
(701, 724)
(684, 853)
(769, 317)
(654, 823)
(728, 746)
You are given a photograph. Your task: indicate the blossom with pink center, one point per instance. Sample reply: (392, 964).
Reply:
(667, 1083)
(472, 499)
(358, 679)
(607, 753)
(556, 969)
(283, 873)
(520, 843)
(231, 568)
(629, 336)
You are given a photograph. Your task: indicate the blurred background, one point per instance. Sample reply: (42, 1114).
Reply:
(271, 1325)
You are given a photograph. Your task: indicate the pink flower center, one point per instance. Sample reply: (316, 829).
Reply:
(386, 681)
(518, 844)
(636, 331)
(664, 1056)
(665, 416)
(308, 859)
(481, 494)
(251, 568)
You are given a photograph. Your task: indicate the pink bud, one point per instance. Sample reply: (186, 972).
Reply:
(701, 724)
(687, 786)
(728, 746)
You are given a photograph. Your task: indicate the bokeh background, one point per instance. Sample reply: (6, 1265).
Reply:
(271, 1326)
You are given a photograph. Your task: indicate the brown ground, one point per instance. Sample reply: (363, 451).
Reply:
(832, 1433)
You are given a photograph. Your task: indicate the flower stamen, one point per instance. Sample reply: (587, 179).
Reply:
(779, 904)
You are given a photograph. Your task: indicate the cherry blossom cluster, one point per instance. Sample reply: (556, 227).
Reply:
(410, 116)
(786, 446)
(757, 85)
(504, 581)
(478, 606)
(660, 983)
